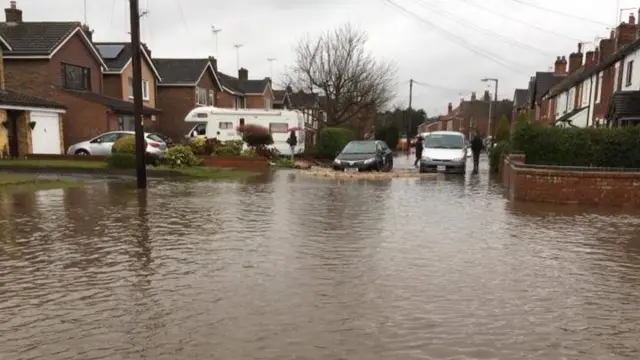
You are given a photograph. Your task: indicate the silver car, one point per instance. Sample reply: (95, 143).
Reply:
(102, 144)
(444, 151)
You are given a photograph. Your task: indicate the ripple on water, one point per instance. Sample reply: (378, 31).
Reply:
(304, 268)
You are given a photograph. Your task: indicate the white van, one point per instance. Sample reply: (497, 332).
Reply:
(212, 122)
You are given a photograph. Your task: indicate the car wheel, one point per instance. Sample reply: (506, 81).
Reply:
(390, 165)
(82, 152)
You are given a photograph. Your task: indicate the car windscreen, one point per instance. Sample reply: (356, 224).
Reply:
(360, 147)
(443, 141)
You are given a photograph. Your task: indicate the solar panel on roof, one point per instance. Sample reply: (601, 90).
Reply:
(110, 51)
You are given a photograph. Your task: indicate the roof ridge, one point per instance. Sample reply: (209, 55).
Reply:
(63, 37)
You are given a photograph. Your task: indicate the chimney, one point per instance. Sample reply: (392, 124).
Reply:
(605, 49)
(13, 14)
(625, 33)
(243, 74)
(575, 59)
(87, 31)
(487, 96)
(560, 66)
(2, 84)
(590, 59)
(450, 109)
(473, 96)
(289, 89)
(214, 63)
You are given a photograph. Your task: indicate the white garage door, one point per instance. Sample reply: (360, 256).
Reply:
(45, 136)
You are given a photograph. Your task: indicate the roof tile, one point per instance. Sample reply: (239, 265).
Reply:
(35, 38)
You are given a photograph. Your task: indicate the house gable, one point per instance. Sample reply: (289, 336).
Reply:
(117, 57)
(184, 72)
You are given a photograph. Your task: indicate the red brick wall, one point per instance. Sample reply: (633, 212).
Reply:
(255, 101)
(175, 102)
(562, 185)
(226, 100)
(112, 86)
(236, 162)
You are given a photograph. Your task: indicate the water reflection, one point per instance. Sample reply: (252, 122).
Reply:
(296, 267)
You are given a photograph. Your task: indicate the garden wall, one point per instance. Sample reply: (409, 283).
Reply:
(570, 185)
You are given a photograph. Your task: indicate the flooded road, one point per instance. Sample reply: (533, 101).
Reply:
(294, 267)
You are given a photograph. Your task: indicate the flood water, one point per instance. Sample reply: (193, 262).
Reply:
(292, 267)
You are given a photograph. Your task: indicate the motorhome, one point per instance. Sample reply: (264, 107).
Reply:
(212, 122)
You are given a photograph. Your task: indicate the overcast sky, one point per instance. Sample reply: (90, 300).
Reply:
(443, 43)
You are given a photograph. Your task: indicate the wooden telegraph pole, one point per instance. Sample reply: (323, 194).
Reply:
(141, 171)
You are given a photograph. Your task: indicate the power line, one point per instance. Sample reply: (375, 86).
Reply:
(505, 16)
(556, 12)
(454, 37)
(440, 87)
(480, 29)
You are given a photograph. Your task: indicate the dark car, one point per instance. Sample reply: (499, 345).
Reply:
(167, 140)
(364, 155)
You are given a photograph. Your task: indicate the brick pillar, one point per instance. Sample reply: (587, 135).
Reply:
(63, 150)
(4, 137)
(24, 134)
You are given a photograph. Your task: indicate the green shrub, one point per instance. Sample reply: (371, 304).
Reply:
(256, 135)
(210, 146)
(332, 140)
(121, 160)
(503, 131)
(181, 156)
(598, 147)
(285, 163)
(390, 134)
(495, 154)
(197, 145)
(124, 145)
(229, 148)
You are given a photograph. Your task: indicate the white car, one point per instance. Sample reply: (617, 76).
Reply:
(102, 144)
(444, 151)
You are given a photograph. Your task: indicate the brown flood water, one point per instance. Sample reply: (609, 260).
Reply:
(293, 267)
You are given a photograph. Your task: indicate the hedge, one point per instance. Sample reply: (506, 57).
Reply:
(584, 147)
(332, 140)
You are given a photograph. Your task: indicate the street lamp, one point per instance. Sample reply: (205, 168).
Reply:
(491, 104)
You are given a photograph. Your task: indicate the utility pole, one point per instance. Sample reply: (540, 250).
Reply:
(238, 46)
(85, 12)
(215, 32)
(409, 122)
(141, 170)
(271, 60)
(495, 99)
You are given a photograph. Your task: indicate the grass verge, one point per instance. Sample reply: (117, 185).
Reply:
(19, 182)
(99, 167)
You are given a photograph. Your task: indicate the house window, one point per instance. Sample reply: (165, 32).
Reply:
(629, 72)
(145, 89)
(126, 123)
(212, 98)
(240, 103)
(278, 127)
(201, 96)
(267, 103)
(225, 125)
(599, 88)
(76, 77)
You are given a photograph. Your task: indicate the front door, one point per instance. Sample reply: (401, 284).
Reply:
(12, 132)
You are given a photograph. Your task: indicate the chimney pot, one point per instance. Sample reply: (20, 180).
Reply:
(579, 48)
(560, 66)
(13, 14)
(487, 96)
(214, 63)
(632, 19)
(575, 62)
(473, 96)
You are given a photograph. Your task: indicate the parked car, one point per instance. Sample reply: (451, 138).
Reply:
(364, 155)
(444, 151)
(167, 140)
(101, 144)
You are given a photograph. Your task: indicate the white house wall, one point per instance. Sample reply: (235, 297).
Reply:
(635, 73)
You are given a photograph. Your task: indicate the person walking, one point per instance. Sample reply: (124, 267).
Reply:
(292, 141)
(419, 148)
(476, 147)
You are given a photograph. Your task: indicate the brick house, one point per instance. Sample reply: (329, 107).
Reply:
(28, 125)
(186, 84)
(312, 109)
(473, 115)
(584, 97)
(281, 100)
(245, 93)
(519, 103)
(58, 62)
(117, 81)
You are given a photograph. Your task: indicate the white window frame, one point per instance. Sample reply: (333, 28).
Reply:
(280, 131)
(212, 97)
(201, 96)
(225, 125)
(599, 88)
(145, 89)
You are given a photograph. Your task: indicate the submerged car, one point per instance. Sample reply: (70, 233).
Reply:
(102, 144)
(364, 155)
(444, 151)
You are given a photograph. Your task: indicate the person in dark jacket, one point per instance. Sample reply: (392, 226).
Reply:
(292, 141)
(419, 148)
(476, 147)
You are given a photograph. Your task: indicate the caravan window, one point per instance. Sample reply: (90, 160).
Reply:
(278, 127)
(226, 125)
(200, 129)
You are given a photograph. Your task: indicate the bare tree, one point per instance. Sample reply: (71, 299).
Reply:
(337, 65)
